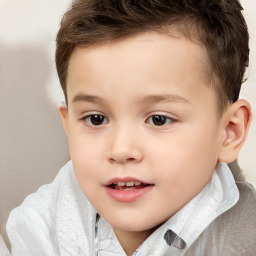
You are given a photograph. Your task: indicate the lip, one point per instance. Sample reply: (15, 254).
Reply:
(124, 179)
(127, 195)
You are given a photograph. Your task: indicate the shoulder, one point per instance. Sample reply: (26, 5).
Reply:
(234, 231)
(32, 226)
(44, 200)
(247, 192)
(242, 215)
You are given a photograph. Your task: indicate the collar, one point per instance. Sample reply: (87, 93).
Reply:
(219, 195)
(182, 229)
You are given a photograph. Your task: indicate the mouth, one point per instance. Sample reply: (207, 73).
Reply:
(127, 190)
(130, 185)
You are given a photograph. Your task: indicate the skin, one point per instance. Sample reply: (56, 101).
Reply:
(128, 83)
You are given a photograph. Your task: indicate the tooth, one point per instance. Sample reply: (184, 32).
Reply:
(137, 183)
(130, 188)
(120, 184)
(129, 184)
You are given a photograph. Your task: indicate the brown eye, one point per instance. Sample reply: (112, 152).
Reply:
(95, 120)
(159, 120)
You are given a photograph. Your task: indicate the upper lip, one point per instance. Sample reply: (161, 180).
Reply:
(124, 179)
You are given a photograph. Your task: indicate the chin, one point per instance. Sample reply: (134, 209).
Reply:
(134, 224)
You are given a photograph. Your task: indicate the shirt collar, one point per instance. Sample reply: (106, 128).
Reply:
(219, 195)
(182, 229)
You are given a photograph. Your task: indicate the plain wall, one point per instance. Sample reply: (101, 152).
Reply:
(247, 157)
(33, 146)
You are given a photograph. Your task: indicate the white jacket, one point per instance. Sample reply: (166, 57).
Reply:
(59, 220)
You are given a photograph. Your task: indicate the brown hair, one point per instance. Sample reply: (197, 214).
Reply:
(218, 24)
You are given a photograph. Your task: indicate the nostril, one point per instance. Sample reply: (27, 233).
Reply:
(125, 156)
(122, 160)
(131, 159)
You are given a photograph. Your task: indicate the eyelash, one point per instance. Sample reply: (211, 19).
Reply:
(155, 120)
(159, 120)
(88, 119)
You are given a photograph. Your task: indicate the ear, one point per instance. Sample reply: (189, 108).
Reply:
(236, 120)
(63, 110)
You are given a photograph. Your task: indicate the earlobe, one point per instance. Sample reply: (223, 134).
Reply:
(237, 120)
(63, 110)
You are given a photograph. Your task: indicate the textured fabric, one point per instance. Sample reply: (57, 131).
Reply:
(59, 220)
(3, 249)
(232, 233)
(219, 195)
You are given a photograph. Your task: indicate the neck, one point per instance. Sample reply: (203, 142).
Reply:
(131, 240)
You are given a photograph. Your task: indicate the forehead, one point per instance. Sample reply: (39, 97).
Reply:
(148, 45)
(146, 60)
(168, 38)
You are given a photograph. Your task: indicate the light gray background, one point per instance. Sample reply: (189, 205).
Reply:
(32, 142)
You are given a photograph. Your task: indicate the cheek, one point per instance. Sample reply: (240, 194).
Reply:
(187, 157)
(86, 160)
(88, 166)
(84, 148)
(184, 147)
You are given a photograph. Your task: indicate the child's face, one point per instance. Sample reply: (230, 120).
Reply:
(140, 110)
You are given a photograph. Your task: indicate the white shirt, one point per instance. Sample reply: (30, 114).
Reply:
(59, 220)
(3, 249)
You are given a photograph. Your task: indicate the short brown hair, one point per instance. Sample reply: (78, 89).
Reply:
(218, 24)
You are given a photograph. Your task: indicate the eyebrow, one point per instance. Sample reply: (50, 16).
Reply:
(87, 98)
(160, 98)
(149, 99)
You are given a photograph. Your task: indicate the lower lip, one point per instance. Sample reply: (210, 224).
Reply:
(128, 195)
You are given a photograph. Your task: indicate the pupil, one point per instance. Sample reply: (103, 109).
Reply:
(159, 120)
(97, 119)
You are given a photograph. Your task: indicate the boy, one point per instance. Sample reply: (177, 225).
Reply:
(152, 117)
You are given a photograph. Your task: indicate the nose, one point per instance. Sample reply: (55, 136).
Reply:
(125, 147)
